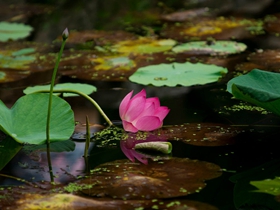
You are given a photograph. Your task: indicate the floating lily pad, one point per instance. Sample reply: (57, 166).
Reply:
(63, 201)
(271, 24)
(13, 31)
(185, 74)
(201, 134)
(163, 179)
(83, 88)
(212, 48)
(114, 62)
(220, 28)
(25, 126)
(267, 60)
(185, 15)
(8, 76)
(144, 45)
(89, 39)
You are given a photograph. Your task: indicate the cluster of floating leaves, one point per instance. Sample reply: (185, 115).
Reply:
(121, 184)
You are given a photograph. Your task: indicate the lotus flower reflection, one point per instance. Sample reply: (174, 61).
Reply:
(151, 141)
(140, 113)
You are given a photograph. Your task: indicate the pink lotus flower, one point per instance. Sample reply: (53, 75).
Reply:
(141, 113)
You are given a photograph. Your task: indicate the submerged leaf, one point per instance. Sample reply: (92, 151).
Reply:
(185, 74)
(26, 120)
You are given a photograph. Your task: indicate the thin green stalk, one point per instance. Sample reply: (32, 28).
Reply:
(87, 144)
(64, 36)
(85, 96)
(87, 137)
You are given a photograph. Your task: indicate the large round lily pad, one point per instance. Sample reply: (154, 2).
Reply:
(159, 179)
(185, 74)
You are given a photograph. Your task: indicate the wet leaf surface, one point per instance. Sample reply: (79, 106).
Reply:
(220, 28)
(159, 179)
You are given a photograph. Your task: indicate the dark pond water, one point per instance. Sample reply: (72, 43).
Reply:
(256, 143)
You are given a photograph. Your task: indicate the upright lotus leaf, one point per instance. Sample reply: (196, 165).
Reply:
(258, 87)
(26, 120)
(185, 74)
(270, 186)
(84, 88)
(8, 149)
(163, 178)
(13, 31)
(244, 192)
(144, 45)
(211, 47)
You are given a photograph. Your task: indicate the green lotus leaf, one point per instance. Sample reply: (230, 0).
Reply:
(213, 48)
(258, 87)
(185, 74)
(13, 31)
(8, 149)
(26, 121)
(84, 88)
(270, 186)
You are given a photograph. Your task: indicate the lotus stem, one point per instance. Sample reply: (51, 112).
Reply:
(86, 97)
(64, 38)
